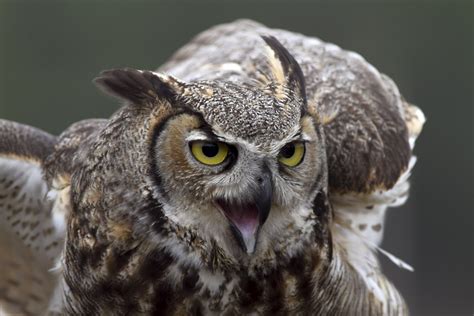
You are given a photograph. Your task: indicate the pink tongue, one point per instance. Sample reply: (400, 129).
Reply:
(244, 216)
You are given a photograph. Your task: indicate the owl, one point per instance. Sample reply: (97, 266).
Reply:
(248, 175)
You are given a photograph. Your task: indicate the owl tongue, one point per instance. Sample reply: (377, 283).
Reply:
(244, 218)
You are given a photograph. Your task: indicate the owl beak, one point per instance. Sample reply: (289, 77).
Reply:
(247, 217)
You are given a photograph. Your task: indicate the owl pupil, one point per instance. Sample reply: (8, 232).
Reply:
(288, 151)
(210, 149)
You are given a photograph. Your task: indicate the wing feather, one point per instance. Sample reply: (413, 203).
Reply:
(29, 240)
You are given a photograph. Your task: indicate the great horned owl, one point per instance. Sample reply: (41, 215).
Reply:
(249, 175)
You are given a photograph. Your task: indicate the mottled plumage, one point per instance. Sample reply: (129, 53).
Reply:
(249, 175)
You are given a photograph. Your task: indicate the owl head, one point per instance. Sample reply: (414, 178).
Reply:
(241, 165)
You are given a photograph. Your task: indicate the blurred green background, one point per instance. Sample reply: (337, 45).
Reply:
(51, 50)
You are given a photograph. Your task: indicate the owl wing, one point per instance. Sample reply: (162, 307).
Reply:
(30, 242)
(385, 164)
(370, 135)
(364, 210)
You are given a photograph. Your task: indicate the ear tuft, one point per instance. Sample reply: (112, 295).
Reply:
(137, 86)
(285, 70)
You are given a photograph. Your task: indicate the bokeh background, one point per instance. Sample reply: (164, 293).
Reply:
(51, 50)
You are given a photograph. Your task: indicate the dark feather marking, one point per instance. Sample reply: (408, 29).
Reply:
(164, 300)
(152, 269)
(274, 298)
(15, 283)
(190, 279)
(250, 292)
(154, 265)
(322, 209)
(320, 205)
(329, 246)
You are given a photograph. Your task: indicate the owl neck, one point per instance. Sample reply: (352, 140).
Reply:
(192, 249)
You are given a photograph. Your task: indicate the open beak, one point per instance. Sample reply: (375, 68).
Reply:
(248, 214)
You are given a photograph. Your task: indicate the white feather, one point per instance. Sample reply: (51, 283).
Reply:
(358, 230)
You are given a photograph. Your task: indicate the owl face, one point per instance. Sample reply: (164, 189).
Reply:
(228, 188)
(236, 164)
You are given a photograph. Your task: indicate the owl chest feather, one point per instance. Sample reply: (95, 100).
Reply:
(160, 285)
(151, 280)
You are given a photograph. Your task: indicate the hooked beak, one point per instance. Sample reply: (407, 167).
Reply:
(247, 215)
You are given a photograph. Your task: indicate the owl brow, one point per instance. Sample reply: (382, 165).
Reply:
(198, 135)
(202, 134)
(296, 137)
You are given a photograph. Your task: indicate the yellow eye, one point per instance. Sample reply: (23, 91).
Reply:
(292, 154)
(209, 153)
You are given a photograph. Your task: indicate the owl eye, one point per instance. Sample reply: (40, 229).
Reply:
(292, 154)
(209, 153)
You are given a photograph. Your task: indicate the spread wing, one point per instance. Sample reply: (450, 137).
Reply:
(29, 240)
(364, 211)
(370, 134)
(359, 219)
